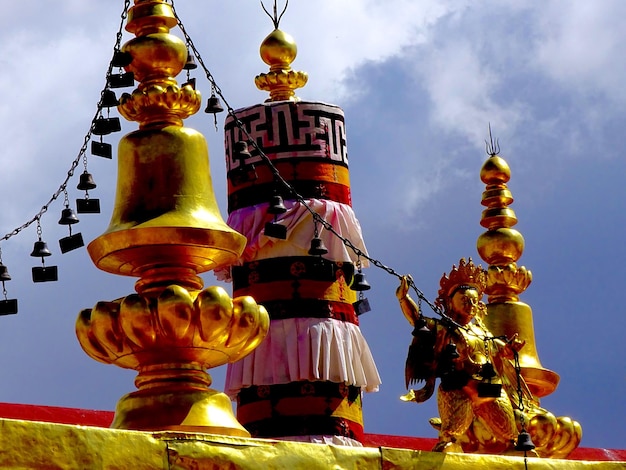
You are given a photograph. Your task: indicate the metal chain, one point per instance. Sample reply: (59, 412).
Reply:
(83, 149)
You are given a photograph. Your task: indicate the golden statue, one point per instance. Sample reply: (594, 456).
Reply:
(484, 404)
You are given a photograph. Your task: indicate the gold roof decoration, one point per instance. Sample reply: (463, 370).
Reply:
(501, 247)
(279, 50)
(166, 229)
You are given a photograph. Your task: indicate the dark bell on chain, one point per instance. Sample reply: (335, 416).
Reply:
(68, 217)
(214, 105)
(317, 247)
(277, 205)
(191, 62)
(359, 283)
(86, 182)
(4, 273)
(121, 59)
(524, 442)
(450, 352)
(109, 100)
(40, 249)
(240, 150)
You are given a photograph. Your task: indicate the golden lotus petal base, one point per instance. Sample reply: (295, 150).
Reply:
(206, 411)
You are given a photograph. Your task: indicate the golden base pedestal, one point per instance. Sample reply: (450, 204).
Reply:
(207, 411)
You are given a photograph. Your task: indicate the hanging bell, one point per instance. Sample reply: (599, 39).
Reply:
(487, 388)
(359, 283)
(86, 182)
(240, 151)
(191, 62)
(121, 59)
(4, 273)
(68, 217)
(277, 206)
(40, 249)
(109, 100)
(214, 105)
(524, 442)
(317, 247)
(421, 329)
(450, 352)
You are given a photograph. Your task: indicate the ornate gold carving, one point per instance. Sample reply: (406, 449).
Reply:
(479, 394)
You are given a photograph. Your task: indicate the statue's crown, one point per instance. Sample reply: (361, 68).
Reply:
(467, 274)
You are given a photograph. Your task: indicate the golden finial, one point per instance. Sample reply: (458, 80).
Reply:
(279, 50)
(166, 228)
(501, 247)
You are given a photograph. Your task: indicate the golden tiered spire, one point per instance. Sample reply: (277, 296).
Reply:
(166, 228)
(501, 246)
(279, 50)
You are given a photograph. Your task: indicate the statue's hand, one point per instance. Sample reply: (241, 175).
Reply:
(403, 288)
(515, 344)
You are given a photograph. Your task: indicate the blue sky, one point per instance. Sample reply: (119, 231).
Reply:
(419, 83)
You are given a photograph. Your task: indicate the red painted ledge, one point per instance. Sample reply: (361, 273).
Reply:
(96, 418)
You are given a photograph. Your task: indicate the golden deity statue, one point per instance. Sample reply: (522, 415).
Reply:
(483, 401)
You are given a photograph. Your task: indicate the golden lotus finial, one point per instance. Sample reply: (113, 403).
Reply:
(279, 50)
(166, 229)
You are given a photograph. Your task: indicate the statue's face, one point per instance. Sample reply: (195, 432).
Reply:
(464, 305)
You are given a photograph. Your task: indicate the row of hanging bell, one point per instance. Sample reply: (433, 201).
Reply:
(214, 105)
(7, 306)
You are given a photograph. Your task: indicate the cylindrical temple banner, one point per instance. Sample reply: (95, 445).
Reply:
(305, 380)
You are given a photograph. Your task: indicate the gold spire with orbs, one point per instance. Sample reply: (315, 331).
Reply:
(279, 50)
(501, 246)
(166, 228)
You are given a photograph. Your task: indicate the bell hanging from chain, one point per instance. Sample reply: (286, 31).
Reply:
(214, 105)
(317, 247)
(191, 61)
(487, 388)
(359, 283)
(421, 328)
(40, 249)
(68, 217)
(109, 100)
(277, 206)
(4, 273)
(86, 182)
(121, 59)
(240, 151)
(524, 442)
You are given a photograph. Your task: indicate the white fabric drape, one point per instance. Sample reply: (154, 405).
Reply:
(307, 349)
